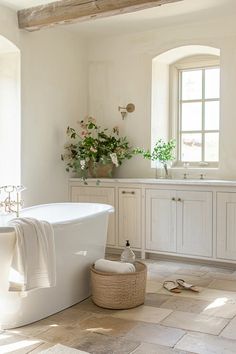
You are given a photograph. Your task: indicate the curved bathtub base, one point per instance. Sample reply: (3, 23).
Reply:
(78, 244)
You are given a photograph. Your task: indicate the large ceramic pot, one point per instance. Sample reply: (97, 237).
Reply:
(100, 170)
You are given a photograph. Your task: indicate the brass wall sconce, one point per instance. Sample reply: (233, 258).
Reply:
(125, 110)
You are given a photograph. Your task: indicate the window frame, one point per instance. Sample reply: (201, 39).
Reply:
(190, 63)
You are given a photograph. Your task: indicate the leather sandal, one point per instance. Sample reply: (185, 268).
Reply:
(171, 286)
(182, 283)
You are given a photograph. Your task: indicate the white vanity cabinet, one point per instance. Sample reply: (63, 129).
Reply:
(226, 226)
(182, 218)
(179, 222)
(95, 194)
(129, 217)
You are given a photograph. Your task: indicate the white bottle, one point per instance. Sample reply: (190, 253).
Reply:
(127, 255)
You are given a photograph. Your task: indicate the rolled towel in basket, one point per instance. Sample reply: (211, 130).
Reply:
(103, 265)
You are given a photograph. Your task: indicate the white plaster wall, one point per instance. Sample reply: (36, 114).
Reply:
(10, 137)
(120, 72)
(8, 25)
(53, 95)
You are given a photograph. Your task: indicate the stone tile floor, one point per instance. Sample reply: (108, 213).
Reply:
(167, 323)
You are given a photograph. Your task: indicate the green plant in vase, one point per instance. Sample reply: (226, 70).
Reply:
(164, 152)
(93, 151)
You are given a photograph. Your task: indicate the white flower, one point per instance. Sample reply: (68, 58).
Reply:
(82, 164)
(114, 159)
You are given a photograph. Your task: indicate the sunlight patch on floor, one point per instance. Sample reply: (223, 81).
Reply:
(8, 348)
(217, 303)
(100, 329)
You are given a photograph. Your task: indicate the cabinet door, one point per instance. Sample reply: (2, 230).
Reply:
(194, 223)
(226, 226)
(98, 195)
(161, 220)
(130, 216)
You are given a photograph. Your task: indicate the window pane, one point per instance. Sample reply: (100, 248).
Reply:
(192, 116)
(212, 147)
(192, 85)
(191, 147)
(212, 83)
(212, 115)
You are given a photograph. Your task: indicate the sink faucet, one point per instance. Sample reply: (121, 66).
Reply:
(10, 205)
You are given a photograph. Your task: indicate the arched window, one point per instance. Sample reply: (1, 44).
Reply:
(10, 125)
(186, 103)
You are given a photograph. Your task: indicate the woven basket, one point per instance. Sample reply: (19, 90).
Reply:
(119, 291)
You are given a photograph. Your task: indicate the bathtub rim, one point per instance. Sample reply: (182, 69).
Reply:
(107, 209)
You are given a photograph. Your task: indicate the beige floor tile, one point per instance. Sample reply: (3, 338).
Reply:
(17, 344)
(41, 347)
(107, 325)
(156, 300)
(215, 294)
(156, 334)
(192, 272)
(162, 269)
(230, 331)
(70, 316)
(33, 329)
(204, 294)
(61, 334)
(217, 269)
(221, 308)
(195, 322)
(148, 348)
(88, 306)
(144, 313)
(223, 276)
(185, 304)
(222, 284)
(101, 344)
(206, 344)
(158, 277)
(153, 286)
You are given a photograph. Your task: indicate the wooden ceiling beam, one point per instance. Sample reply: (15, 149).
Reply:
(70, 11)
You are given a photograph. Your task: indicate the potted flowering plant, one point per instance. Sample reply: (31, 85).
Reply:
(94, 151)
(162, 152)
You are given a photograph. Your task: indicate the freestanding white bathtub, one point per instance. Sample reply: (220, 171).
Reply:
(80, 238)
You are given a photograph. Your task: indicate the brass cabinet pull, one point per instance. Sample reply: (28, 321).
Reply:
(173, 199)
(125, 192)
(179, 200)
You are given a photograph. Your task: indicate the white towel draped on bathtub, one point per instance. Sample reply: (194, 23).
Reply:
(34, 259)
(104, 265)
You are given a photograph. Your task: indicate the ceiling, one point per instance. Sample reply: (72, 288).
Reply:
(185, 11)
(23, 4)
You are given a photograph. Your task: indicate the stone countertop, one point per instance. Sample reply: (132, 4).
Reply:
(196, 182)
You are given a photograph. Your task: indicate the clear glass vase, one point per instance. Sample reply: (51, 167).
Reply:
(163, 169)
